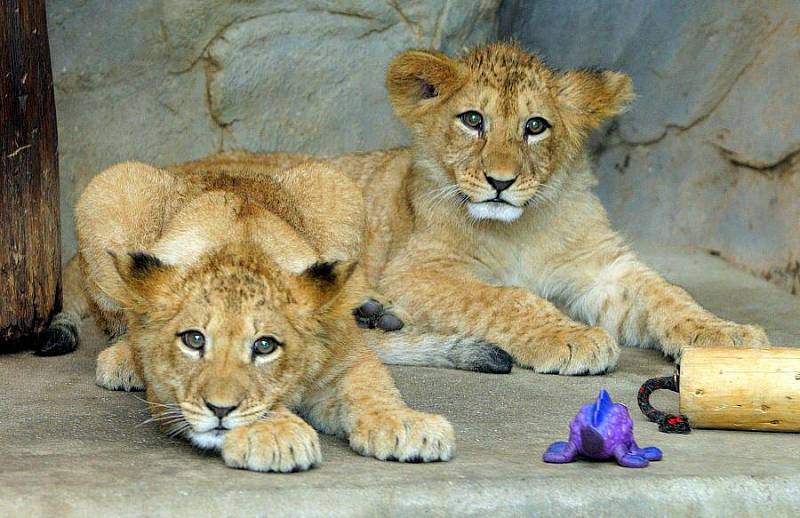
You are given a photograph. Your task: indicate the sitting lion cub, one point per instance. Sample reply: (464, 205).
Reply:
(486, 231)
(231, 298)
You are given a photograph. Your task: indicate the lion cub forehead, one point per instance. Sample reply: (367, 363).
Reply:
(235, 282)
(507, 67)
(237, 287)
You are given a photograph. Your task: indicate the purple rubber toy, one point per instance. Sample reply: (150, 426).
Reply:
(602, 430)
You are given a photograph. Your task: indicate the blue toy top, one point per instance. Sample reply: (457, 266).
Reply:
(601, 408)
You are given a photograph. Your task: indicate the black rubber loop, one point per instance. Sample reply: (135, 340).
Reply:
(667, 423)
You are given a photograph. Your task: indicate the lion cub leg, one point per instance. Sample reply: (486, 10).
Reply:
(281, 442)
(365, 406)
(535, 332)
(677, 322)
(116, 369)
(640, 308)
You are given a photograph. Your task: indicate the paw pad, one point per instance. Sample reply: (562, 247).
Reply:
(373, 315)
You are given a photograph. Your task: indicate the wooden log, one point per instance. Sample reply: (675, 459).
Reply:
(30, 257)
(741, 389)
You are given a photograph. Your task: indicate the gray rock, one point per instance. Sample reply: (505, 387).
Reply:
(708, 154)
(172, 80)
(659, 192)
(758, 122)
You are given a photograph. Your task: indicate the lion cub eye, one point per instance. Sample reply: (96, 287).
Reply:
(472, 119)
(265, 345)
(193, 340)
(536, 126)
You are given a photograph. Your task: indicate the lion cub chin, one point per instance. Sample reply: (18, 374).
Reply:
(238, 320)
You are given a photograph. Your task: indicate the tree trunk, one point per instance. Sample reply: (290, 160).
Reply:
(30, 257)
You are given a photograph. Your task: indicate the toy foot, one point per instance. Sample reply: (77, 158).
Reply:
(630, 460)
(560, 453)
(372, 315)
(649, 453)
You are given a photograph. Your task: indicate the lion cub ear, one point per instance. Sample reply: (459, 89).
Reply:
(322, 281)
(588, 97)
(416, 79)
(145, 276)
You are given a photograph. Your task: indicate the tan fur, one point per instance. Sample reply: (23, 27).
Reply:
(232, 252)
(544, 276)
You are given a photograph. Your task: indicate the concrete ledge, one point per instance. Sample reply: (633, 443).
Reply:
(68, 447)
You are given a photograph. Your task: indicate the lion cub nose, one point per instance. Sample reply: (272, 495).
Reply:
(500, 185)
(220, 411)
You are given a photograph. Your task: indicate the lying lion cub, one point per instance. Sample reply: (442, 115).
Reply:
(231, 297)
(486, 228)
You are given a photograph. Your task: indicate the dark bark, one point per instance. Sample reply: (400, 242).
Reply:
(30, 257)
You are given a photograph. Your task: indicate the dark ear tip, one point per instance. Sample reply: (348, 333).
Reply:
(323, 271)
(141, 262)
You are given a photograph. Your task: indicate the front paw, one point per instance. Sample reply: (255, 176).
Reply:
(571, 351)
(404, 435)
(281, 444)
(711, 333)
(115, 369)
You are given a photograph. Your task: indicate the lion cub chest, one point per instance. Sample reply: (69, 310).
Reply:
(522, 260)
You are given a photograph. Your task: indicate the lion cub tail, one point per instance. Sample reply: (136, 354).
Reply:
(62, 336)
(412, 347)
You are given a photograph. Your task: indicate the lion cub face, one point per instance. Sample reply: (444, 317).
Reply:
(496, 127)
(222, 342)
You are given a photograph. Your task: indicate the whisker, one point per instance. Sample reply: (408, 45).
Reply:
(166, 405)
(169, 424)
(171, 411)
(438, 196)
(162, 419)
(177, 429)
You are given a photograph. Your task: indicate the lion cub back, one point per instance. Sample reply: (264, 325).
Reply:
(300, 217)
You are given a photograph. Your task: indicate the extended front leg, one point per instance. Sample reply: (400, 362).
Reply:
(448, 298)
(363, 405)
(639, 307)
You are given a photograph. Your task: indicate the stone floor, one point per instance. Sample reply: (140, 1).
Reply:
(68, 447)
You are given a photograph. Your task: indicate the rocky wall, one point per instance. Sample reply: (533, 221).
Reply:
(163, 81)
(708, 154)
